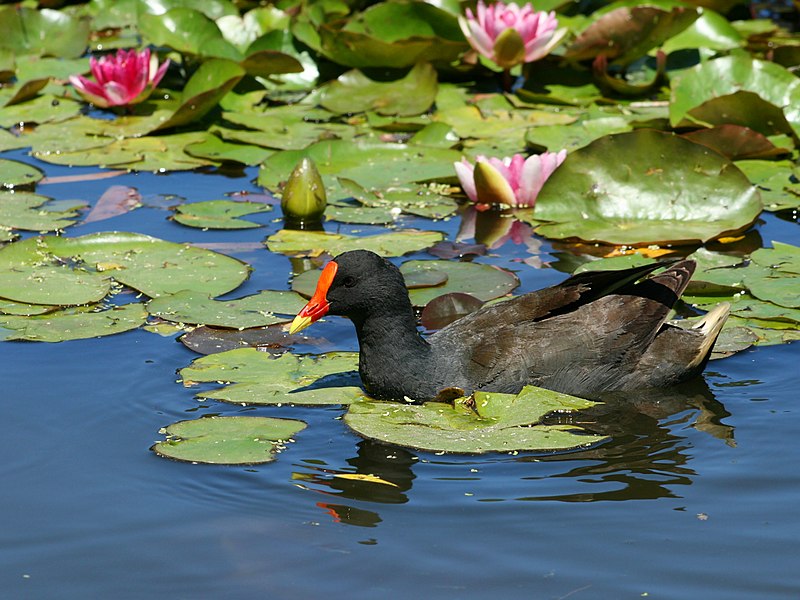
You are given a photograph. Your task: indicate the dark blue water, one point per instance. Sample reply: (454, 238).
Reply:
(696, 496)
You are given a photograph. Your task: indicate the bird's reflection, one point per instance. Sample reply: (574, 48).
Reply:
(645, 458)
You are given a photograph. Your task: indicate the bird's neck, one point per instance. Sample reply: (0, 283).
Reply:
(391, 351)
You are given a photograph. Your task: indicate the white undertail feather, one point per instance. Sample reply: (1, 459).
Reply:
(710, 326)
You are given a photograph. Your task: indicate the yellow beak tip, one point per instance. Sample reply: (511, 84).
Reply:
(299, 324)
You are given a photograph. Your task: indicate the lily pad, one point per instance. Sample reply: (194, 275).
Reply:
(314, 243)
(71, 271)
(485, 282)
(27, 211)
(393, 34)
(776, 180)
(74, 325)
(372, 165)
(227, 440)
(628, 33)
(219, 214)
(26, 30)
(44, 108)
(216, 149)
(22, 309)
(730, 74)
(355, 92)
(443, 310)
(288, 379)
(491, 422)
(659, 188)
(257, 310)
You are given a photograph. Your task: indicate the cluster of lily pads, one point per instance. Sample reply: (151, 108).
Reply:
(679, 122)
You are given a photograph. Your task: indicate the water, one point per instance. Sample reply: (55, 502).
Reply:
(696, 496)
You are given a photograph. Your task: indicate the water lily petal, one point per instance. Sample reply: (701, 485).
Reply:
(464, 170)
(491, 186)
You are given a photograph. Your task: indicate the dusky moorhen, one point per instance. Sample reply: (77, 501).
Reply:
(597, 331)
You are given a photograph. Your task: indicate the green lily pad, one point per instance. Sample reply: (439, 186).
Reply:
(257, 310)
(227, 440)
(491, 422)
(214, 79)
(776, 181)
(420, 200)
(730, 74)
(659, 188)
(313, 243)
(219, 214)
(393, 34)
(26, 30)
(371, 165)
(44, 108)
(14, 173)
(188, 31)
(710, 31)
(151, 153)
(372, 215)
(27, 211)
(23, 309)
(261, 379)
(485, 282)
(736, 142)
(22, 91)
(71, 271)
(36, 68)
(70, 324)
(355, 92)
(219, 150)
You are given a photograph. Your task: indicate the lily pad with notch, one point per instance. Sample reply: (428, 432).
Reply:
(74, 324)
(313, 243)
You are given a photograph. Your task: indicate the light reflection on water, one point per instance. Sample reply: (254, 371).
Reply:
(695, 494)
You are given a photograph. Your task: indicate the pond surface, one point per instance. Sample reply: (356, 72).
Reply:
(695, 496)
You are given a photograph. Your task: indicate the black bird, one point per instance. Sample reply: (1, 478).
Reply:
(595, 332)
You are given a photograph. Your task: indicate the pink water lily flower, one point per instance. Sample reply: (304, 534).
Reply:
(513, 181)
(127, 77)
(510, 35)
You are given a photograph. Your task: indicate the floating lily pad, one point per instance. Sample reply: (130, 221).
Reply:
(488, 423)
(27, 211)
(485, 282)
(288, 379)
(71, 271)
(74, 325)
(45, 108)
(731, 74)
(219, 214)
(219, 150)
(736, 142)
(313, 243)
(659, 188)
(420, 200)
(776, 180)
(23, 309)
(371, 165)
(355, 92)
(252, 311)
(149, 153)
(627, 33)
(393, 34)
(26, 30)
(227, 440)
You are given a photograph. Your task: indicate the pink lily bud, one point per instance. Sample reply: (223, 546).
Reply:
(510, 35)
(127, 77)
(514, 181)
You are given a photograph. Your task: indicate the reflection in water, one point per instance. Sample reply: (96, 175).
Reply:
(645, 459)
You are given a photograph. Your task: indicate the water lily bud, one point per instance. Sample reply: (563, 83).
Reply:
(304, 198)
(509, 49)
(490, 185)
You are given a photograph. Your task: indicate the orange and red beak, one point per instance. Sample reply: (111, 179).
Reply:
(318, 306)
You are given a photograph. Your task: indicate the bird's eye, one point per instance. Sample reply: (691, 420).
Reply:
(349, 281)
